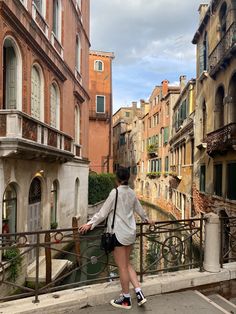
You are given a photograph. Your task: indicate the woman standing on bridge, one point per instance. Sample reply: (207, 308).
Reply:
(124, 234)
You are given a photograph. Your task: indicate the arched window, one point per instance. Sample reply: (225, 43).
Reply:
(77, 124)
(219, 108)
(55, 106)
(37, 88)
(53, 204)
(223, 19)
(204, 120)
(56, 26)
(9, 214)
(12, 75)
(232, 101)
(76, 206)
(98, 65)
(205, 52)
(78, 54)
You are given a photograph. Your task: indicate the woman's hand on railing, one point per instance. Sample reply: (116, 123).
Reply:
(85, 228)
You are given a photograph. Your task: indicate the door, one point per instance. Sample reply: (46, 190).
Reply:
(34, 213)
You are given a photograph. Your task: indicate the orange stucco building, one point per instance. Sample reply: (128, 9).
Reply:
(100, 111)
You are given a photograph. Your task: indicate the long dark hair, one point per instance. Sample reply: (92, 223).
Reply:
(122, 175)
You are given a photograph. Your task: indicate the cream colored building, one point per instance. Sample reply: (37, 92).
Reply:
(215, 118)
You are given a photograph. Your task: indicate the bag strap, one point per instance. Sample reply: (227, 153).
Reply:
(113, 220)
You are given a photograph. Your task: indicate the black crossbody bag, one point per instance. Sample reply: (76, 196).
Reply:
(107, 239)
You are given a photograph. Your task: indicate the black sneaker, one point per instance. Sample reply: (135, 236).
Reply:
(140, 298)
(122, 302)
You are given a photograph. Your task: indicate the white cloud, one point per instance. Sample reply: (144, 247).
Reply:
(151, 40)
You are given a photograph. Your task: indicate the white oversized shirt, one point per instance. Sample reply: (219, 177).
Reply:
(125, 224)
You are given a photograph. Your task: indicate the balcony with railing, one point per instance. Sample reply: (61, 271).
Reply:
(23, 136)
(221, 140)
(101, 116)
(223, 52)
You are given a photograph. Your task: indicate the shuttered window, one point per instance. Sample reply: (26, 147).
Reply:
(218, 179)
(166, 163)
(35, 93)
(203, 178)
(166, 135)
(10, 77)
(231, 177)
(100, 104)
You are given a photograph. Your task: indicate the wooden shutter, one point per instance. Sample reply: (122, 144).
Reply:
(201, 58)
(11, 81)
(53, 107)
(35, 93)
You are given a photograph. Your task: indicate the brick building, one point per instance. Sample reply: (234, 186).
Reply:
(100, 111)
(153, 179)
(44, 60)
(215, 126)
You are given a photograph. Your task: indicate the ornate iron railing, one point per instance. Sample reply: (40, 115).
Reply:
(222, 49)
(228, 240)
(222, 139)
(165, 246)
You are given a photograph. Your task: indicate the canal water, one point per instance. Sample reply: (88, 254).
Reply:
(95, 265)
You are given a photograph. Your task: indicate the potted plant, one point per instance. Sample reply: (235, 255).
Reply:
(54, 225)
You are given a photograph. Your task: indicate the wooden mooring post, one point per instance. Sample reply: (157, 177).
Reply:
(76, 237)
(48, 258)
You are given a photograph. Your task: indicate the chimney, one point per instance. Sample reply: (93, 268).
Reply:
(164, 87)
(182, 82)
(134, 104)
(202, 11)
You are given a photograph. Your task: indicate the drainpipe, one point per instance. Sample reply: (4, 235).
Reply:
(110, 126)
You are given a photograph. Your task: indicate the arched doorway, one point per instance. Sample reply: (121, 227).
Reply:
(34, 212)
(9, 214)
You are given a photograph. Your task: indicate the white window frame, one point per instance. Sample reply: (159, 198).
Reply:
(58, 36)
(42, 84)
(78, 53)
(96, 68)
(18, 71)
(34, 7)
(58, 98)
(77, 124)
(25, 3)
(78, 4)
(104, 97)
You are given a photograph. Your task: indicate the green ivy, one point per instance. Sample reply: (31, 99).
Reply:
(13, 256)
(100, 185)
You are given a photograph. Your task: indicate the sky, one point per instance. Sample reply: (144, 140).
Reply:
(151, 40)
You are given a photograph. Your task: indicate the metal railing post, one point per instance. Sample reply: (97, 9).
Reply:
(141, 252)
(36, 300)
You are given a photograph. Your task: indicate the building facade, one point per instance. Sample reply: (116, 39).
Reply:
(153, 180)
(44, 95)
(100, 111)
(126, 123)
(215, 118)
(182, 149)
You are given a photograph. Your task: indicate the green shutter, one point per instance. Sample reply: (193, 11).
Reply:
(166, 135)
(203, 178)
(101, 104)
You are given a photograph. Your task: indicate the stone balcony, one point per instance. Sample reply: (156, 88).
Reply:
(99, 116)
(222, 140)
(22, 136)
(223, 52)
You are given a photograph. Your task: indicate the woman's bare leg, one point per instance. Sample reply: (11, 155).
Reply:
(120, 256)
(132, 273)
